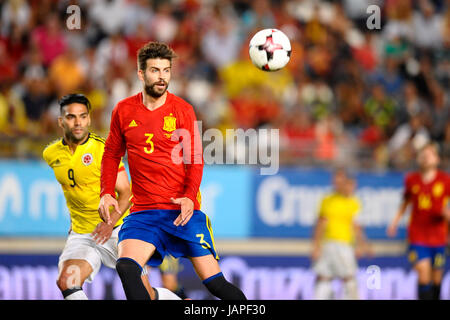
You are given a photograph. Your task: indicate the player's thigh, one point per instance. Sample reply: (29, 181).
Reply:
(108, 251)
(424, 270)
(138, 250)
(73, 273)
(205, 266)
(345, 263)
(323, 265)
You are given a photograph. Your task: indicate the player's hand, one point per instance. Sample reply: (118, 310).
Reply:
(102, 232)
(187, 210)
(392, 230)
(106, 202)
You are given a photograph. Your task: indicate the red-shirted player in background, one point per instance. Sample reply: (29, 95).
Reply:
(427, 191)
(165, 157)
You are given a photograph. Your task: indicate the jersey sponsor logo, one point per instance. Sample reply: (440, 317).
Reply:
(57, 163)
(87, 159)
(132, 124)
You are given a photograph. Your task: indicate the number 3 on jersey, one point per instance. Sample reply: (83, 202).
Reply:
(150, 142)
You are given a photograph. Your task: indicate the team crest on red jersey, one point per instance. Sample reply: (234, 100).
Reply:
(438, 190)
(87, 159)
(170, 124)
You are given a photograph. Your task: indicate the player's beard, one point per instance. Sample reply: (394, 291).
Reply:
(75, 138)
(152, 90)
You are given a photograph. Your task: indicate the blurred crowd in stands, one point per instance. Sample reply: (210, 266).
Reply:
(368, 98)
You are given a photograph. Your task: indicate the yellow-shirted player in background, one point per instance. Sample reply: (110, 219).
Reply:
(76, 162)
(333, 252)
(169, 269)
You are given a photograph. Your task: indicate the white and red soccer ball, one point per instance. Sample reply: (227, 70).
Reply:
(270, 49)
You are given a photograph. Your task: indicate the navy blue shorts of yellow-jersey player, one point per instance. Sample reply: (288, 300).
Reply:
(436, 255)
(195, 239)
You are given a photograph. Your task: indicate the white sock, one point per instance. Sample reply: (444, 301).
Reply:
(166, 294)
(323, 290)
(77, 295)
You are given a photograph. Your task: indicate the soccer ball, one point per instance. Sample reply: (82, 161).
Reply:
(270, 49)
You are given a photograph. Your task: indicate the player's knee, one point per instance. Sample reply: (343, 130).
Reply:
(127, 267)
(130, 274)
(61, 283)
(348, 279)
(323, 279)
(71, 276)
(64, 282)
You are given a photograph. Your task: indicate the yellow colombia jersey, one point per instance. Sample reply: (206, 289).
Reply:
(340, 212)
(79, 176)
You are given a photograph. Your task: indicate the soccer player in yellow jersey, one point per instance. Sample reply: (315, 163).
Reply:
(169, 269)
(76, 160)
(333, 253)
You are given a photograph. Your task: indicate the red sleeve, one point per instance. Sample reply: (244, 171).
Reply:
(407, 185)
(114, 151)
(194, 160)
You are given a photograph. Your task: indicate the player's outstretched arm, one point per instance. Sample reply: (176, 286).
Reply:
(192, 155)
(123, 195)
(392, 228)
(363, 247)
(113, 153)
(319, 230)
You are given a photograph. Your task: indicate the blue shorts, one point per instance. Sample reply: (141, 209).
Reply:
(435, 254)
(195, 239)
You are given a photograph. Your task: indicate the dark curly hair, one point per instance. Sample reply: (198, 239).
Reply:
(154, 50)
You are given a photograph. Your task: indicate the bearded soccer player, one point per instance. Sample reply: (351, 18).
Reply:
(165, 157)
(427, 191)
(75, 160)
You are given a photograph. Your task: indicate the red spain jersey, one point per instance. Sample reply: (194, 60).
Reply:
(427, 224)
(156, 142)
